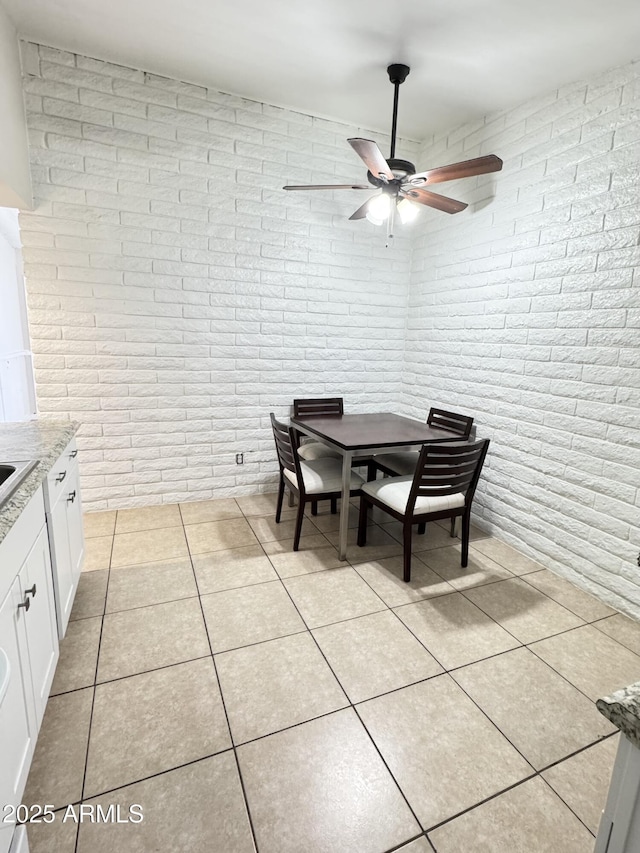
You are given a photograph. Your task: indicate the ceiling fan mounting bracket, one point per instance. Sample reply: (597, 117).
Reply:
(398, 73)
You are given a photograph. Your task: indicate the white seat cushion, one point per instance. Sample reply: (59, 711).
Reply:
(322, 475)
(402, 462)
(394, 492)
(317, 450)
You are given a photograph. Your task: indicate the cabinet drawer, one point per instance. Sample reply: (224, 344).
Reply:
(60, 473)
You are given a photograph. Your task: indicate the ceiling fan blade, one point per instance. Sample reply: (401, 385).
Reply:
(439, 202)
(466, 169)
(369, 152)
(362, 211)
(330, 187)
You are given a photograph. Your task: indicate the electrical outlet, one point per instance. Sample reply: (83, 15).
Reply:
(239, 458)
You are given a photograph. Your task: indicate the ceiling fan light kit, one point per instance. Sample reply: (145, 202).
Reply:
(401, 187)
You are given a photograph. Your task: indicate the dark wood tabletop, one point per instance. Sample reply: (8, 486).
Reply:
(360, 432)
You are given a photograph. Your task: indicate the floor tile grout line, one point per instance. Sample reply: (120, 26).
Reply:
(560, 603)
(520, 645)
(504, 628)
(222, 700)
(132, 675)
(353, 707)
(620, 643)
(535, 642)
(537, 774)
(172, 769)
(398, 848)
(331, 713)
(95, 678)
(483, 712)
(389, 771)
(565, 803)
(480, 803)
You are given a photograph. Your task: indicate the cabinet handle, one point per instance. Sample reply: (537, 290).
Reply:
(61, 477)
(73, 454)
(26, 603)
(31, 591)
(72, 496)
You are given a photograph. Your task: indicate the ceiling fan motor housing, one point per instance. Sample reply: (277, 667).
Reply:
(400, 168)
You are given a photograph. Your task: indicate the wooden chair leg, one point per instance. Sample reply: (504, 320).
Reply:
(314, 507)
(362, 521)
(453, 526)
(299, 519)
(372, 471)
(407, 551)
(291, 499)
(334, 506)
(422, 527)
(280, 498)
(466, 524)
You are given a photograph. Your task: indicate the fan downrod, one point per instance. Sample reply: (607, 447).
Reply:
(398, 73)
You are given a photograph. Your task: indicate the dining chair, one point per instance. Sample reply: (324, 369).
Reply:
(309, 448)
(309, 480)
(442, 486)
(404, 461)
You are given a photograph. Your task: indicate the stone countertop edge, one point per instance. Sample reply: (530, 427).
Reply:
(622, 708)
(41, 440)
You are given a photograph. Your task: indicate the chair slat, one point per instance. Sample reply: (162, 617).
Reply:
(442, 419)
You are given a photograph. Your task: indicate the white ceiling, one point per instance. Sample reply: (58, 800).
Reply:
(329, 57)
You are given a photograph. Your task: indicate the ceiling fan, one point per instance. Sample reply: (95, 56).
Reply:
(399, 183)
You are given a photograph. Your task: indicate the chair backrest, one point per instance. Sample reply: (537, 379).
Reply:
(446, 469)
(318, 406)
(284, 444)
(441, 419)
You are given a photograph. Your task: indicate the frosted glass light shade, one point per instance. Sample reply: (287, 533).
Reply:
(407, 210)
(379, 209)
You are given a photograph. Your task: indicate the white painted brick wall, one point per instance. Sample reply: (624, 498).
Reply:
(524, 311)
(177, 294)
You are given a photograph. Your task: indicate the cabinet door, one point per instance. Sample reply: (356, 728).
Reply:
(61, 560)
(39, 621)
(17, 724)
(66, 536)
(75, 529)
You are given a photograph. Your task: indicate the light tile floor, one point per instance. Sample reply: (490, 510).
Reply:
(248, 697)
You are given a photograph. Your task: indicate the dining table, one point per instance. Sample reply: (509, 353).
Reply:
(361, 435)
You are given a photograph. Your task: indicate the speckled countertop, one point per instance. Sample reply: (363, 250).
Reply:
(622, 708)
(41, 440)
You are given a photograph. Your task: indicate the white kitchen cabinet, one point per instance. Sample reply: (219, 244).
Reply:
(38, 614)
(28, 650)
(17, 716)
(66, 537)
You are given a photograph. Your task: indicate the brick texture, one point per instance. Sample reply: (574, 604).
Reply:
(524, 311)
(177, 294)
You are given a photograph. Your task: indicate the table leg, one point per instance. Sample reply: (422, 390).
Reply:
(344, 504)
